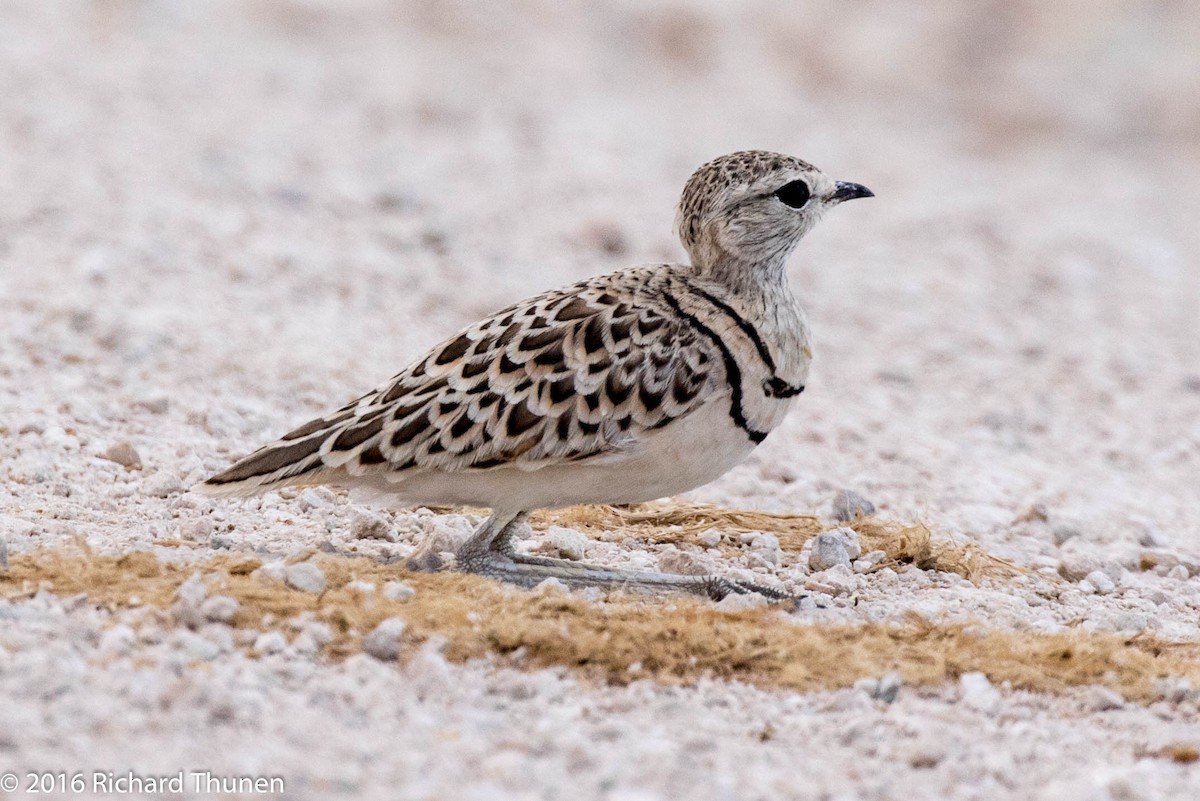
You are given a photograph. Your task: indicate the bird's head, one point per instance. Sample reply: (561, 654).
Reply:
(752, 207)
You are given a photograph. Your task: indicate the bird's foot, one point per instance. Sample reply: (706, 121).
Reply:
(528, 571)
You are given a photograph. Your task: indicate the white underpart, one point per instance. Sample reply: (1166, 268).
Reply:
(684, 455)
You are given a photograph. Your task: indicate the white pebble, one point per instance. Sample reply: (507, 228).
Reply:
(219, 609)
(684, 563)
(848, 505)
(305, 576)
(888, 687)
(199, 529)
(1076, 566)
(398, 591)
(832, 548)
(271, 573)
(118, 640)
(1101, 582)
(316, 498)
(15, 527)
(386, 640)
(197, 647)
(372, 526)
(270, 642)
(1179, 573)
(710, 538)
(979, 694)
(1102, 699)
(361, 587)
(566, 543)
(550, 586)
(868, 561)
(837, 580)
(192, 592)
(162, 484)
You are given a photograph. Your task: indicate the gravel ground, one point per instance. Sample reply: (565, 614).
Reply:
(219, 219)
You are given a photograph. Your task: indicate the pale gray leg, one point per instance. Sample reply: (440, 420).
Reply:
(491, 551)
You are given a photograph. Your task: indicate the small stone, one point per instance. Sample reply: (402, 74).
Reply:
(684, 563)
(1102, 699)
(398, 591)
(162, 484)
(270, 642)
(118, 641)
(220, 542)
(428, 672)
(888, 687)
(199, 529)
(317, 498)
(550, 586)
(386, 640)
(219, 609)
(1174, 689)
(14, 527)
(1152, 538)
(271, 573)
(372, 526)
(868, 561)
(188, 597)
(1157, 596)
(1035, 513)
(979, 694)
(155, 404)
(305, 576)
(1063, 533)
(832, 548)
(197, 647)
(361, 587)
(837, 580)
(191, 592)
(564, 543)
(849, 505)
(766, 546)
(1179, 573)
(1101, 582)
(1132, 622)
(710, 538)
(1077, 566)
(124, 454)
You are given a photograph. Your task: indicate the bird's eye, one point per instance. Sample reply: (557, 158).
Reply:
(794, 194)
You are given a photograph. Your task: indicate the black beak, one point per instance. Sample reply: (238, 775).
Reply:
(848, 191)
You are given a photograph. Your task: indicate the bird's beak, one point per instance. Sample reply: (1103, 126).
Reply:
(847, 191)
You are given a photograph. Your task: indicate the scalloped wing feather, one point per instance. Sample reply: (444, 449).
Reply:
(581, 373)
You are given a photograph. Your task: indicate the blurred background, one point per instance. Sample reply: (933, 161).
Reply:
(253, 210)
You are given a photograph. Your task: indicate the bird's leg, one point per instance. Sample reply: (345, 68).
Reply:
(491, 551)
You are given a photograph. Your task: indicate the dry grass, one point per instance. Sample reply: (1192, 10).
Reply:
(673, 640)
(680, 522)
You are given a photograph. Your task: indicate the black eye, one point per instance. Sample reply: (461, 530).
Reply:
(794, 194)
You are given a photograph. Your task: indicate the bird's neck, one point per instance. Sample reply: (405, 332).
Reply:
(747, 278)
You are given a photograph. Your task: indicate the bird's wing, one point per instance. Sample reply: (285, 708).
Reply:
(569, 375)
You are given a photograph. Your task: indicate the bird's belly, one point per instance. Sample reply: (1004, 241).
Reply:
(684, 455)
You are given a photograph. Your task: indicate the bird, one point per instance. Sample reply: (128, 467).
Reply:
(622, 388)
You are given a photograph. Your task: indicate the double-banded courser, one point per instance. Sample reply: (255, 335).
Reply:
(623, 388)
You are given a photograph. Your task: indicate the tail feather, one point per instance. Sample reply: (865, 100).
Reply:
(311, 454)
(286, 461)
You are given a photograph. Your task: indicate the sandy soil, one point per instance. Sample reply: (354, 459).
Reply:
(219, 219)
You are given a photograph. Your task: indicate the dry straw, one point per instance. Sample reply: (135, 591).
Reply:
(669, 639)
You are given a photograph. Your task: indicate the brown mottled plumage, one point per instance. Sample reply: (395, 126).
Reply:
(625, 387)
